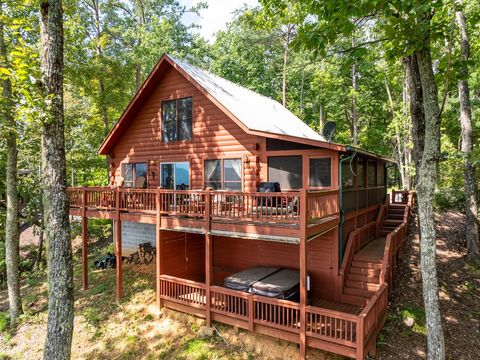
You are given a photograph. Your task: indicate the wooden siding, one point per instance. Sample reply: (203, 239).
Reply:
(249, 253)
(183, 255)
(215, 135)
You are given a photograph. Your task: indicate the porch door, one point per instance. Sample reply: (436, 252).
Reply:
(175, 175)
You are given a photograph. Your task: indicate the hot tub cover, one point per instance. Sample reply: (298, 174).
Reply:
(243, 280)
(283, 284)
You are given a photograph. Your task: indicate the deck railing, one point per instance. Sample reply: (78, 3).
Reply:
(333, 326)
(323, 324)
(279, 207)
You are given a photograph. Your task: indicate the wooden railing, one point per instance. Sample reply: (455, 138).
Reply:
(183, 291)
(323, 324)
(277, 313)
(333, 326)
(356, 240)
(281, 207)
(371, 316)
(322, 204)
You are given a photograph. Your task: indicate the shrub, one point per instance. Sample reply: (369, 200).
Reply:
(449, 199)
(4, 321)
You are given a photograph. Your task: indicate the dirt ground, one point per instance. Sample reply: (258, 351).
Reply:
(459, 285)
(133, 329)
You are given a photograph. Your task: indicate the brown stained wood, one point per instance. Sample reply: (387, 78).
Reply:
(303, 271)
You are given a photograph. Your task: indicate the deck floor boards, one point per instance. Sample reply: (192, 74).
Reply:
(332, 305)
(373, 251)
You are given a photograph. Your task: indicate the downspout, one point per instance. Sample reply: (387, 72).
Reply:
(342, 212)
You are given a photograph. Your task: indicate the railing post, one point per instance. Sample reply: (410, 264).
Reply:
(303, 270)
(118, 246)
(158, 251)
(84, 240)
(208, 257)
(251, 312)
(359, 332)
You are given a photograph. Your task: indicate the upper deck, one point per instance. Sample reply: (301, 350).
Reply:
(267, 216)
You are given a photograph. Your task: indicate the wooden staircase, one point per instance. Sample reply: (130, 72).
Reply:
(393, 218)
(363, 278)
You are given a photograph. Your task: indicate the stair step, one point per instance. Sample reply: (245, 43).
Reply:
(366, 265)
(375, 279)
(364, 271)
(392, 222)
(384, 232)
(359, 292)
(362, 285)
(354, 300)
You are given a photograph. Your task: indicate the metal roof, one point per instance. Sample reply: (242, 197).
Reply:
(255, 111)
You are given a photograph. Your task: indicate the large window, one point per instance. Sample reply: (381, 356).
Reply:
(134, 175)
(223, 174)
(320, 172)
(286, 170)
(177, 119)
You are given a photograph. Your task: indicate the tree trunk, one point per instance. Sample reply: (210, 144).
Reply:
(54, 179)
(427, 179)
(416, 110)
(469, 173)
(354, 120)
(12, 231)
(38, 262)
(288, 35)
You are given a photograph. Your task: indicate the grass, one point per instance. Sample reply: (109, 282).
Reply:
(131, 329)
(418, 315)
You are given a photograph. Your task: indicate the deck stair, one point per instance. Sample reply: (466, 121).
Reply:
(393, 218)
(363, 278)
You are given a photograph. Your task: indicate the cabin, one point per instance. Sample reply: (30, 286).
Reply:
(257, 220)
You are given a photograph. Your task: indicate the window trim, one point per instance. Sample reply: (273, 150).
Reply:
(222, 176)
(176, 119)
(331, 172)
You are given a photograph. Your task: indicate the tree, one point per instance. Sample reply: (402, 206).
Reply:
(55, 201)
(407, 27)
(471, 208)
(12, 233)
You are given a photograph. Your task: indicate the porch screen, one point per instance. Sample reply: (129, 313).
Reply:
(320, 172)
(287, 170)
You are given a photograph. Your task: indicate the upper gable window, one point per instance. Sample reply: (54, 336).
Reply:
(177, 119)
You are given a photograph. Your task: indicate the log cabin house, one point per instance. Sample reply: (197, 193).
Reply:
(257, 220)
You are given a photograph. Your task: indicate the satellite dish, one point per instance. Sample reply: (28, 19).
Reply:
(329, 130)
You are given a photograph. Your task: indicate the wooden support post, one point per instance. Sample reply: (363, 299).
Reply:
(84, 240)
(208, 258)
(158, 252)
(118, 246)
(303, 270)
(359, 331)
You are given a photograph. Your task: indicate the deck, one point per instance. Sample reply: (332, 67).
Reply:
(263, 216)
(339, 327)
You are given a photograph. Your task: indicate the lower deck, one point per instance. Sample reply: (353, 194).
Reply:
(337, 311)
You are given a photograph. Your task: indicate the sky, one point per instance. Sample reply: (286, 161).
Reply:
(214, 18)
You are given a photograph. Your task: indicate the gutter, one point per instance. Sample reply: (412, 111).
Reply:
(340, 191)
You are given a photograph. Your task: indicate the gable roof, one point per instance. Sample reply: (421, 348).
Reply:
(254, 113)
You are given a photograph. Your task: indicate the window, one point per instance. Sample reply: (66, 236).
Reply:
(223, 174)
(134, 175)
(360, 174)
(381, 174)
(320, 172)
(372, 173)
(286, 170)
(177, 119)
(175, 175)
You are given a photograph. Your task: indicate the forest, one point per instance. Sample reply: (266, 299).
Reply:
(399, 78)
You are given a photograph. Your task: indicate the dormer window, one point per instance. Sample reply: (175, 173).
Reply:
(177, 119)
